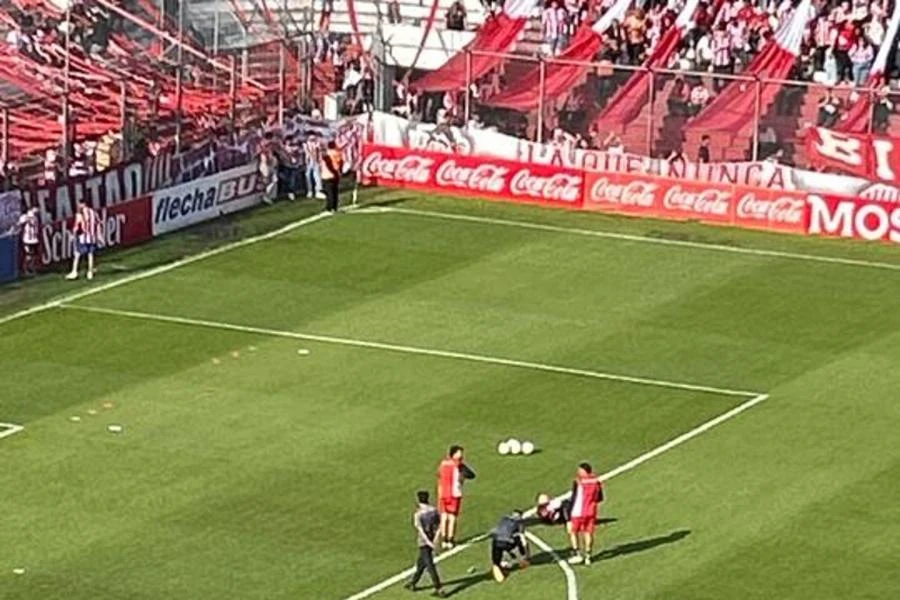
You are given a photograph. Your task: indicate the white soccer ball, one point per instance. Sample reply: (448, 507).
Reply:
(115, 429)
(503, 448)
(527, 448)
(515, 446)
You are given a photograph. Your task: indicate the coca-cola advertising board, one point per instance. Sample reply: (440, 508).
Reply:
(676, 199)
(123, 224)
(481, 177)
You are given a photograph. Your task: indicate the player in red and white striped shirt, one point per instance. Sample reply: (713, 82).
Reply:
(28, 227)
(87, 231)
(587, 494)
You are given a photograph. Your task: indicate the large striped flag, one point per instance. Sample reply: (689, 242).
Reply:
(497, 35)
(734, 108)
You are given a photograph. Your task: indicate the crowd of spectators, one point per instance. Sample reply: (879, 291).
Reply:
(42, 38)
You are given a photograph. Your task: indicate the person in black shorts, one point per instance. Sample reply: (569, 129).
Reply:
(508, 537)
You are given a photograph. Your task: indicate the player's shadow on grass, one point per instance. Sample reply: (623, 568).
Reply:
(462, 584)
(641, 545)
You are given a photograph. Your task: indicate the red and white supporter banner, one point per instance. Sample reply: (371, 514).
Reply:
(871, 156)
(676, 199)
(494, 179)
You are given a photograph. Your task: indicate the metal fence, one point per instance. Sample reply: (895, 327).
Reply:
(279, 72)
(774, 127)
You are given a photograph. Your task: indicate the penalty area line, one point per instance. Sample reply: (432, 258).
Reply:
(571, 583)
(611, 235)
(632, 464)
(406, 349)
(8, 429)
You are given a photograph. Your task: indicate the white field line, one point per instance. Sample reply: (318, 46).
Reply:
(673, 443)
(163, 268)
(852, 262)
(8, 429)
(571, 583)
(479, 358)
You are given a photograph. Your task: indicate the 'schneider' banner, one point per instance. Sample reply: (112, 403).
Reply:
(123, 224)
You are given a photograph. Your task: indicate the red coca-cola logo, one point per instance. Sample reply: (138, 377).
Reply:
(779, 210)
(709, 202)
(485, 177)
(408, 169)
(559, 186)
(634, 193)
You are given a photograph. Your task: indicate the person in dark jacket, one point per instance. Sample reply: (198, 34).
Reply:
(426, 521)
(508, 537)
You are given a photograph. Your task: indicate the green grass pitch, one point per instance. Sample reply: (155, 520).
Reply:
(249, 468)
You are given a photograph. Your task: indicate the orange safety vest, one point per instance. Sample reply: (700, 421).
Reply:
(336, 160)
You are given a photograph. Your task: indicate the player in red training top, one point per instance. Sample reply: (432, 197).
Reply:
(451, 474)
(587, 494)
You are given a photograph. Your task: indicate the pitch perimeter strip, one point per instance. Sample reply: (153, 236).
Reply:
(624, 468)
(164, 268)
(422, 351)
(852, 262)
(8, 429)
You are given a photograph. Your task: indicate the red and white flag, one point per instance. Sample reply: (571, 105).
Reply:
(733, 109)
(496, 35)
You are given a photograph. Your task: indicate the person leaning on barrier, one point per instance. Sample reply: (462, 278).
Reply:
(268, 172)
(332, 166)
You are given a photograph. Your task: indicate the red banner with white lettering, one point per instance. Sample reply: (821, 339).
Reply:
(853, 218)
(122, 224)
(873, 157)
(678, 199)
(480, 176)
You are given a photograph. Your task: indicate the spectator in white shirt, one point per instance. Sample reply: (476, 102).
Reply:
(12, 39)
(861, 56)
(698, 99)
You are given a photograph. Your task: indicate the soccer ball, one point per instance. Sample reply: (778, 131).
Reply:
(527, 448)
(503, 448)
(515, 446)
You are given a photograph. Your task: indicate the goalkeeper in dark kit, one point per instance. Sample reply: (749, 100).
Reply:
(508, 537)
